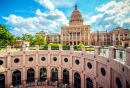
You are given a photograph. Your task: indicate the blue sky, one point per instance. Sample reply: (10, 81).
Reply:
(31, 16)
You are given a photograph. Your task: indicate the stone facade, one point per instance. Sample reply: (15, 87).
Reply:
(50, 38)
(116, 74)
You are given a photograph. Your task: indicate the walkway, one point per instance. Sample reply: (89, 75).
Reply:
(42, 87)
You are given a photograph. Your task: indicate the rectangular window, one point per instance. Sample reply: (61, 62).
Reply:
(82, 29)
(125, 34)
(116, 38)
(86, 29)
(116, 34)
(121, 34)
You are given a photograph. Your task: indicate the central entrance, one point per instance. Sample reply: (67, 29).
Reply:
(54, 74)
(43, 74)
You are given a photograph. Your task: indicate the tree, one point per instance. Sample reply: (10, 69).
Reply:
(39, 40)
(18, 38)
(5, 36)
(29, 37)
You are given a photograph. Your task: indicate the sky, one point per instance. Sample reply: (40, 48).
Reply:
(32, 16)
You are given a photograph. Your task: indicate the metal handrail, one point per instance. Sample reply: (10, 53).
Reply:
(120, 54)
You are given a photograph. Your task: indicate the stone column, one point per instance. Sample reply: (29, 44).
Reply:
(56, 83)
(11, 86)
(35, 83)
(23, 48)
(109, 76)
(9, 77)
(9, 74)
(24, 84)
(76, 37)
(49, 48)
(71, 78)
(71, 49)
(37, 47)
(60, 70)
(8, 49)
(46, 82)
(37, 71)
(66, 86)
(96, 51)
(24, 75)
(60, 74)
(83, 49)
(60, 48)
(72, 35)
(49, 73)
(82, 80)
(111, 52)
(49, 62)
(80, 37)
(127, 56)
(24, 60)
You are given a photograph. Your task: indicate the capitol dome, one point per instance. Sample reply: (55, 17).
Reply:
(76, 16)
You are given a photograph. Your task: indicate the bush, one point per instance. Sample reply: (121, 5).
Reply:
(51, 44)
(43, 47)
(120, 46)
(80, 46)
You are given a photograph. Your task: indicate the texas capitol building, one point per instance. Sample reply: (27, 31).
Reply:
(77, 33)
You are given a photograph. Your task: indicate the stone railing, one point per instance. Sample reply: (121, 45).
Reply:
(111, 52)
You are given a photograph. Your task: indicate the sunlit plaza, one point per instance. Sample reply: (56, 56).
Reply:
(64, 44)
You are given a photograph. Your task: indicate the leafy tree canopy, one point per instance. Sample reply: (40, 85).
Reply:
(5, 36)
(39, 40)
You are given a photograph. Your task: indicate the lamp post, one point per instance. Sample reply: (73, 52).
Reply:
(23, 39)
(97, 37)
(106, 36)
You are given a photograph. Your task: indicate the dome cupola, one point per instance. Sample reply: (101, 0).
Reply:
(76, 17)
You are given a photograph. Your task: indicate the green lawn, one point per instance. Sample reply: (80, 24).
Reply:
(3, 48)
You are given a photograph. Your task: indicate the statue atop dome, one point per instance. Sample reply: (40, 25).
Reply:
(76, 6)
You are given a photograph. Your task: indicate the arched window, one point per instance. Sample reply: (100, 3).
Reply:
(77, 81)
(43, 74)
(89, 83)
(2, 81)
(54, 74)
(30, 75)
(16, 78)
(66, 77)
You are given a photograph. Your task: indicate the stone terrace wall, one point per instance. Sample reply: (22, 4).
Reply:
(113, 68)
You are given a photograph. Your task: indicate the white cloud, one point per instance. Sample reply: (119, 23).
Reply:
(113, 14)
(93, 19)
(51, 21)
(63, 3)
(109, 18)
(47, 3)
(16, 29)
